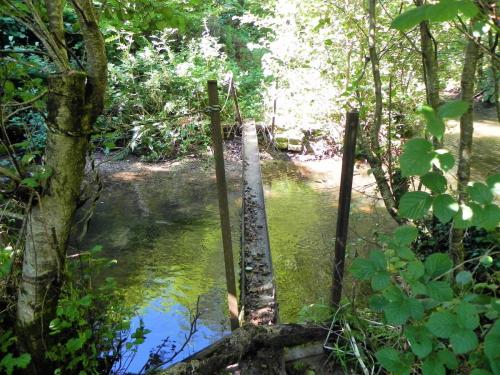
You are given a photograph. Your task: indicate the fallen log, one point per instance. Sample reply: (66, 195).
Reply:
(242, 343)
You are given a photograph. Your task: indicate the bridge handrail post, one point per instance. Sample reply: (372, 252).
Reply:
(352, 124)
(218, 148)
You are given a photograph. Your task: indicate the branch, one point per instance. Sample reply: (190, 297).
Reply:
(26, 103)
(8, 173)
(7, 51)
(192, 330)
(464, 31)
(34, 22)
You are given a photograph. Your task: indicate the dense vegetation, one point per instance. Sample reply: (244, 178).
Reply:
(80, 77)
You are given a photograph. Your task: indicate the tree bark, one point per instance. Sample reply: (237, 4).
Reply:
(96, 63)
(245, 342)
(75, 100)
(372, 145)
(429, 63)
(495, 68)
(465, 146)
(49, 221)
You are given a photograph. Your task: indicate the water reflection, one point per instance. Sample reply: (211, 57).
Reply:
(163, 228)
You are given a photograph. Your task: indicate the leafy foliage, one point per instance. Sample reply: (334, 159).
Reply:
(91, 324)
(430, 305)
(419, 157)
(441, 316)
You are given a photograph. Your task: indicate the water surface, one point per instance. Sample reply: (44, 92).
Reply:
(161, 224)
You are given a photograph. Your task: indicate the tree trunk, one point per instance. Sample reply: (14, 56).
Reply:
(372, 145)
(429, 63)
(49, 222)
(465, 146)
(495, 68)
(75, 101)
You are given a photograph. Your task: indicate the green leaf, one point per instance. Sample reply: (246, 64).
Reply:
(493, 183)
(415, 270)
(467, 316)
(464, 217)
(31, 182)
(420, 340)
(394, 362)
(378, 260)
(442, 11)
(393, 293)
(362, 269)
(377, 303)
(436, 362)
(480, 371)
(410, 18)
(405, 234)
(491, 345)
(453, 109)
(478, 216)
(381, 280)
(74, 344)
(444, 207)
(435, 124)
(439, 290)
(463, 277)
(432, 365)
(397, 313)
(415, 204)
(434, 181)
(443, 160)
(86, 300)
(463, 341)
(448, 358)
(480, 193)
(404, 252)
(23, 360)
(418, 288)
(442, 324)
(468, 8)
(491, 217)
(437, 264)
(9, 88)
(417, 157)
(416, 308)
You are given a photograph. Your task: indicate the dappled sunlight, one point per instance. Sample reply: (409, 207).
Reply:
(127, 176)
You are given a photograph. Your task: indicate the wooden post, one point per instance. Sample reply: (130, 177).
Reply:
(213, 102)
(352, 124)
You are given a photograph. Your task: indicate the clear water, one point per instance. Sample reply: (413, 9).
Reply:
(162, 226)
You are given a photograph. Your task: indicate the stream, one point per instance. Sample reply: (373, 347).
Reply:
(161, 223)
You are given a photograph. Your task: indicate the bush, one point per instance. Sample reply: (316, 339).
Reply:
(447, 314)
(158, 93)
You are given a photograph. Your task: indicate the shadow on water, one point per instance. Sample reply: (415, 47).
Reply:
(163, 229)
